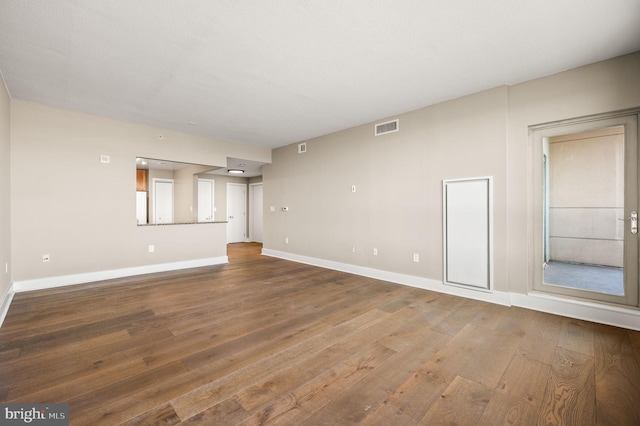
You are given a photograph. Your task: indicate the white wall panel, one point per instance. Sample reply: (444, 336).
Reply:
(467, 232)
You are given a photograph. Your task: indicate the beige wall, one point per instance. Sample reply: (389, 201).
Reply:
(5, 199)
(81, 212)
(397, 207)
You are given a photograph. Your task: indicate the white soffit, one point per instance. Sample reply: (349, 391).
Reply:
(271, 73)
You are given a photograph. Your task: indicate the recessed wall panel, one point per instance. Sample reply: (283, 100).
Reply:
(467, 232)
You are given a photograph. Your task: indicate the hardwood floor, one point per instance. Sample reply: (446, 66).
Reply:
(263, 340)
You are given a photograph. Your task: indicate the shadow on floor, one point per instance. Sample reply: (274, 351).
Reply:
(600, 279)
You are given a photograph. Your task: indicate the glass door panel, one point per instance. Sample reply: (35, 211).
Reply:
(588, 193)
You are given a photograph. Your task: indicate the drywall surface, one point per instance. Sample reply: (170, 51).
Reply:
(68, 204)
(5, 199)
(397, 204)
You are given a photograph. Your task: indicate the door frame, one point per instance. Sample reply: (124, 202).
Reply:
(255, 211)
(535, 223)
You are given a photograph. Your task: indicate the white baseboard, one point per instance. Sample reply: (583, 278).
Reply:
(5, 303)
(65, 280)
(588, 311)
(580, 309)
(498, 297)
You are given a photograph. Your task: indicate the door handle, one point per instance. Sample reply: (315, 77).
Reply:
(634, 222)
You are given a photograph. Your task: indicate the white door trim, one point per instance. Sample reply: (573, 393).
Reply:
(535, 233)
(255, 214)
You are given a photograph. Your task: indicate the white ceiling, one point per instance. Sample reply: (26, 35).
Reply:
(275, 72)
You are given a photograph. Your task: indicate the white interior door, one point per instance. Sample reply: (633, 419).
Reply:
(255, 206)
(236, 212)
(141, 207)
(163, 200)
(205, 200)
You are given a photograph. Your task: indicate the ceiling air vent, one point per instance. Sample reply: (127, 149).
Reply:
(387, 127)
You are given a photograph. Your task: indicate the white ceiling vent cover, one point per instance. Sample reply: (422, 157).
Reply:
(387, 127)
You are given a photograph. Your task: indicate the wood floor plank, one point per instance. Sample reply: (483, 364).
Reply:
(315, 393)
(577, 336)
(525, 379)
(304, 371)
(617, 377)
(262, 340)
(569, 398)
(634, 338)
(472, 353)
(361, 399)
(491, 316)
(74, 333)
(228, 412)
(541, 336)
(462, 403)
(87, 360)
(162, 415)
(67, 389)
(465, 313)
(505, 410)
(266, 334)
(259, 366)
(478, 354)
(105, 405)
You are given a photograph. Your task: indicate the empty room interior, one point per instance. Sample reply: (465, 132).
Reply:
(302, 212)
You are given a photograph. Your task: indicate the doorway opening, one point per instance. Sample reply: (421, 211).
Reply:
(584, 198)
(586, 202)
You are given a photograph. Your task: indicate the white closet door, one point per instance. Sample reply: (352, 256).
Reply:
(163, 200)
(205, 200)
(467, 221)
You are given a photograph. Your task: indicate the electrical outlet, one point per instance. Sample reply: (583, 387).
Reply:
(375, 251)
(6, 267)
(152, 248)
(45, 258)
(353, 249)
(416, 257)
(353, 188)
(286, 240)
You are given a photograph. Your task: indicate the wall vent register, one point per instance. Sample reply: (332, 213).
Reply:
(387, 127)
